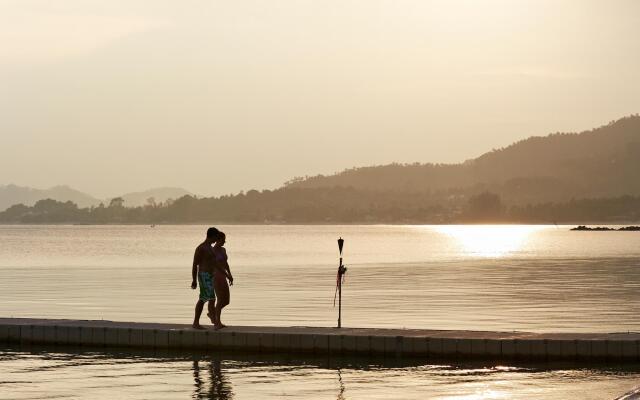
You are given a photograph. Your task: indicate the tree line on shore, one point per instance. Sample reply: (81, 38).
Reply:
(331, 205)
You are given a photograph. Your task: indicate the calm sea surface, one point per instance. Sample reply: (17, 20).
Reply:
(534, 278)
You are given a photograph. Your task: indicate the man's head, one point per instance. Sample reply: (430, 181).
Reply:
(212, 234)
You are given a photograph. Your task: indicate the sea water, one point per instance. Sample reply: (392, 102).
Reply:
(475, 277)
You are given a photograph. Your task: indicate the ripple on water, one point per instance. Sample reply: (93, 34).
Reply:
(32, 374)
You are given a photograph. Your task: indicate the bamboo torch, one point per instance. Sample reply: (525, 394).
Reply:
(339, 281)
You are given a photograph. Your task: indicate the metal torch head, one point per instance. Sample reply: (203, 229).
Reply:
(340, 244)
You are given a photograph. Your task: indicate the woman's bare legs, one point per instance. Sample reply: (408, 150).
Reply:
(211, 312)
(222, 300)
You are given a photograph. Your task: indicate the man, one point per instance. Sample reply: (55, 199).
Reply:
(204, 264)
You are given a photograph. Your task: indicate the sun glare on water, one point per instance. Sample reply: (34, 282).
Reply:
(489, 240)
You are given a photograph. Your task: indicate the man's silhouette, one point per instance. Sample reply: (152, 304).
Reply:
(204, 264)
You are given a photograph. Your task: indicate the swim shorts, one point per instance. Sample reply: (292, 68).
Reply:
(205, 280)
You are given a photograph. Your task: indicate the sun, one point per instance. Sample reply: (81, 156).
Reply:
(489, 240)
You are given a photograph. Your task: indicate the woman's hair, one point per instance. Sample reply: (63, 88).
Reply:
(221, 235)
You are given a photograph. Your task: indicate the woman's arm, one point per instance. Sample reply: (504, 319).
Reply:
(228, 273)
(221, 263)
(226, 266)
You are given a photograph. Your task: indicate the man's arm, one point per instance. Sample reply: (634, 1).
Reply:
(194, 270)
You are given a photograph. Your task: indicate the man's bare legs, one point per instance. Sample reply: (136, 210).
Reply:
(196, 319)
(211, 313)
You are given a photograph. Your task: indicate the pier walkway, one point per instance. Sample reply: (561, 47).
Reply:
(440, 344)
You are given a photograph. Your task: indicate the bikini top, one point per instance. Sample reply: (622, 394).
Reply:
(220, 254)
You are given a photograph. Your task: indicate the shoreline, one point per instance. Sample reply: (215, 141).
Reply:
(562, 224)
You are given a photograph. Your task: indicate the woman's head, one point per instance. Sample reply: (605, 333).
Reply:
(221, 238)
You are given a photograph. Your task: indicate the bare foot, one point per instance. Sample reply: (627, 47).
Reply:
(198, 326)
(219, 326)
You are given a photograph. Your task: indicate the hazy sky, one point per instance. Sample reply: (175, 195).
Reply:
(217, 96)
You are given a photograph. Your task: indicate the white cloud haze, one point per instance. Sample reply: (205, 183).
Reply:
(116, 96)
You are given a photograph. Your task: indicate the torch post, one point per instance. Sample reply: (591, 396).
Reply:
(341, 271)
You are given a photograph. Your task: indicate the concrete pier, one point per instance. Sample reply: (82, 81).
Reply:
(437, 344)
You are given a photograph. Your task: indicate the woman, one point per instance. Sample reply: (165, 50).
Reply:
(222, 273)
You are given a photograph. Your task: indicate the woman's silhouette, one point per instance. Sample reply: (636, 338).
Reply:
(222, 274)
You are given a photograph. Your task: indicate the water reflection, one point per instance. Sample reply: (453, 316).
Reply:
(490, 240)
(340, 386)
(210, 382)
(41, 372)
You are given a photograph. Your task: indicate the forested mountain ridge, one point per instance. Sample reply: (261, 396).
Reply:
(596, 163)
(560, 178)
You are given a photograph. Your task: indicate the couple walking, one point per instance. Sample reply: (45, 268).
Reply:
(211, 271)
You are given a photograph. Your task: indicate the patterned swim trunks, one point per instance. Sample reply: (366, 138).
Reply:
(205, 280)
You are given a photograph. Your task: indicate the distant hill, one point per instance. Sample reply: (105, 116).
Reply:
(602, 162)
(12, 194)
(158, 195)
